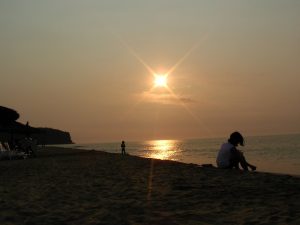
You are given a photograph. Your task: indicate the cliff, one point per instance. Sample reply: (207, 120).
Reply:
(50, 136)
(11, 129)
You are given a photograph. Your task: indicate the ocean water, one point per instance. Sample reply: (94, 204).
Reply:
(275, 154)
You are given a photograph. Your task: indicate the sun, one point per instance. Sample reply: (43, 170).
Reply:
(160, 80)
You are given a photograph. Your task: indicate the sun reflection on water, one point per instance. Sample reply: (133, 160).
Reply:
(163, 149)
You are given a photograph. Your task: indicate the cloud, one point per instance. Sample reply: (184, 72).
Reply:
(166, 98)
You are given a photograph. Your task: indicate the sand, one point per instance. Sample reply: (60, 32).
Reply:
(65, 186)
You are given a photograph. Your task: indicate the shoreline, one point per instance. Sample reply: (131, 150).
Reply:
(117, 152)
(74, 186)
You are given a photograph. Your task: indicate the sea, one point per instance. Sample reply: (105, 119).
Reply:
(272, 154)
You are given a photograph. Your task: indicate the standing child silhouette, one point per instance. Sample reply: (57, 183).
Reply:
(123, 147)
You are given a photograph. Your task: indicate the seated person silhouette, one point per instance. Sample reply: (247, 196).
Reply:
(230, 157)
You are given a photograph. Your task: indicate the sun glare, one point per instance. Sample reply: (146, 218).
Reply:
(160, 80)
(163, 149)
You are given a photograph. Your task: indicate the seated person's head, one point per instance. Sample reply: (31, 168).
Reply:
(236, 138)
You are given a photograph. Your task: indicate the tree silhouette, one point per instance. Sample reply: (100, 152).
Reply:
(8, 115)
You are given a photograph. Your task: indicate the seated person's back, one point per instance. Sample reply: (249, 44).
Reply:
(224, 155)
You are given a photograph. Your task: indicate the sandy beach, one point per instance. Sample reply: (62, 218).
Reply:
(68, 186)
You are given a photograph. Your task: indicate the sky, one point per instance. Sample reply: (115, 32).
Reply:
(87, 67)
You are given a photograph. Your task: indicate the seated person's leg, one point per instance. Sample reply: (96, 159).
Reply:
(234, 161)
(243, 161)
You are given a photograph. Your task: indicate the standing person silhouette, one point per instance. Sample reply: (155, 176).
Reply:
(230, 157)
(123, 147)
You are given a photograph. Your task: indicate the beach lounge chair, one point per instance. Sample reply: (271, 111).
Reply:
(8, 153)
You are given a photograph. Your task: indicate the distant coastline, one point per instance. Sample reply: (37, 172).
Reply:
(12, 130)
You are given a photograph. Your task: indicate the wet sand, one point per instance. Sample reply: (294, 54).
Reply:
(68, 186)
